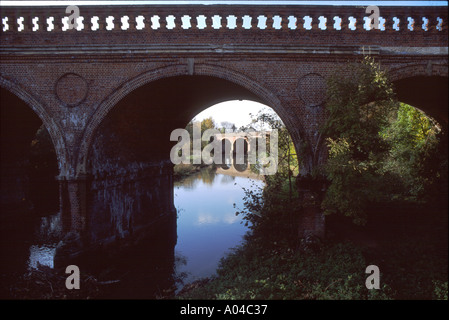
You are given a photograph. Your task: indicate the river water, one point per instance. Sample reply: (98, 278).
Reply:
(207, 228)
(207, 224)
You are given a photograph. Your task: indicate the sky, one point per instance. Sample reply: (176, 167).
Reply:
(236, 111)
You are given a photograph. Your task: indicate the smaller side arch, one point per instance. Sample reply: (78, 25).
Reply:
(424, 86)
(52, 127)
(422, 69)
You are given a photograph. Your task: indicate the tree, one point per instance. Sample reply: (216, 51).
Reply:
(272, 212)
(360, 102)
(287, 158)
(415, 154)
(227, 126)
(207, 123)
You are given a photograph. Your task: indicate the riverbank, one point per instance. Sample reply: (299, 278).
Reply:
(181, 170)
(410, 251)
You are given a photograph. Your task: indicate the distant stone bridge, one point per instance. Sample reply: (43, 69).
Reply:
(110, 91)
(240, 143)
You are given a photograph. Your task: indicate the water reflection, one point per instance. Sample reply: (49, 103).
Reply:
(28, 241)
(41, 255)
(238, 163)
(46, 236)
(207, 224)
(205, 176)
(227, 179)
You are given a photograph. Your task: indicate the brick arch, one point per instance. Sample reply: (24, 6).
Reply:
(52, 127)
(413, 70)
(171, 71)
(423, 86)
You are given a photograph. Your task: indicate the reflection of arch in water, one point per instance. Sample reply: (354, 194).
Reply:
(235, 164)
(226, 162)
(240, 163)
(226, 148)
(240, 147)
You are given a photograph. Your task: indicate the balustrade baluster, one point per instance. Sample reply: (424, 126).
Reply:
(162, 21)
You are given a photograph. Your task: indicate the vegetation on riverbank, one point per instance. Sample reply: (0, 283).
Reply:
(380, 150)
(412, 258)
(333, 272)
(181, 170)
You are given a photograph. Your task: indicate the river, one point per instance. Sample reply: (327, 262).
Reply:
(207, 224)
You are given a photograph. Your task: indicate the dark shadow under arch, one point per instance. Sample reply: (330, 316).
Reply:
(427, 93)
(28, 159)
(52, 126)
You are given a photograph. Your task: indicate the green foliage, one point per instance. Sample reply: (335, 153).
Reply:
(409, 269)
(271, 213)
(287, 161)
(416, 268)
(379, 150)
(359, 106)
(207, 123)
(440, 290)
(354, 183)
(184, 170)
(204, 125)
(415, 155)
(360, 100)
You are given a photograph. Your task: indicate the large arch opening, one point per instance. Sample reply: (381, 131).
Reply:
(133, 141)
(207, 199)
(129, 160)
(156, 109)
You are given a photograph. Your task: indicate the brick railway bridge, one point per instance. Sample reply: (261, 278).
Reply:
(111, 90)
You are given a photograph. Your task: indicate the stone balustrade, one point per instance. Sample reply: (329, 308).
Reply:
(222, 18)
